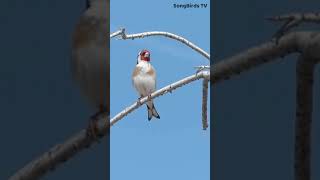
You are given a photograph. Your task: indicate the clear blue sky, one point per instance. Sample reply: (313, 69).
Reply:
(175, 146)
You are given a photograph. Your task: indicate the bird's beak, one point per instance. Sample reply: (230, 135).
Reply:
(146, 54)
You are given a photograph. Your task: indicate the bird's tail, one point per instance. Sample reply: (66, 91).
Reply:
(152, 111)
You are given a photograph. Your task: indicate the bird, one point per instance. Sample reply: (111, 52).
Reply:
(90, 58)
(144, 81)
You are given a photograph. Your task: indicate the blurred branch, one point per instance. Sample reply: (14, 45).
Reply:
(293, 20)
(294, 42)
(125, 36)
(204, 104)
(305, 70)
(301, 17)
(160, 92)
(60, 153)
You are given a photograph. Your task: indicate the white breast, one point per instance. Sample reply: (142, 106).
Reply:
(143, 82)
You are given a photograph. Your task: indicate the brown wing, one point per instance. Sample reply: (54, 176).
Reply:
(135, 73)
(152, 73)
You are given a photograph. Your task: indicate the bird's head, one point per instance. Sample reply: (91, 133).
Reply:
(144, 55)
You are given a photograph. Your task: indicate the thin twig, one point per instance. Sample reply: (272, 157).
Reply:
(201, 68)
(124, 36)
(204, 104)
(293, 20)
(306, 17)
(116, 33)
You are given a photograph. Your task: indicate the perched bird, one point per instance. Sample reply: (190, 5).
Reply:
(144, 80)
(90, 56)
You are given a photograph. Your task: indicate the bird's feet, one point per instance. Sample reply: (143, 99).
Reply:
(139, 101)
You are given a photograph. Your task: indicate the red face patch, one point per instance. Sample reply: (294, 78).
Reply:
(143, 57)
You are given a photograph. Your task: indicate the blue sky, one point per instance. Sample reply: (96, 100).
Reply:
(175, 146)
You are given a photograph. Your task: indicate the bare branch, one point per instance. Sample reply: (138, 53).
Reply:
(306, 43)
(201, 68)
(160, 33)
(204, 104)
(293, 20)
(116, 33)
(305, 70)
(267, 52)
(160, 92)
(306, 17)
(60, 153)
